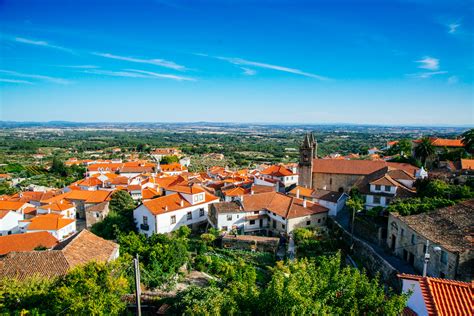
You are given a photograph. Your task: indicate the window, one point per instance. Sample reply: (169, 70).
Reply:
(402, 232)
(308, 223)
(444, 257)
(256, 212)
(252, 222)
(424, 248)
(319, 220)
(376, 199)
(229, 217)
(237, 216)
(387, 188)
(283, 226)
(173, 219)
(330, 181)
(201, 212)
(224, 228)
(145, 220)
(377, 187)
(189, 216)
(274, 224)
(413, 239)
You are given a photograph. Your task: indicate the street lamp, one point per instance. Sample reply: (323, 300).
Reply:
(427, 256)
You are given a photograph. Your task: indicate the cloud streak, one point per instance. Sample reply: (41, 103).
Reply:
(244, 62)
(41, 43)
(157, 62)
(248, 71)
(159, 75)
(14, 81)
(35, 76)
(429, 63)
(452, 28)
(135, 73)
(426, 75)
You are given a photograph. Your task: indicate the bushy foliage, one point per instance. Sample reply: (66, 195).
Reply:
(93, 289)
(161, 256)
(168, 160)
(120, 217)
(441, 189)
(414, 206)
(302, 287)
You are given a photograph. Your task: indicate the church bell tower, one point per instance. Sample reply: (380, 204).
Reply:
(308, 152)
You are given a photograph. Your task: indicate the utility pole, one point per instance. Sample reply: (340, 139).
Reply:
(427, 258)
(137, 285)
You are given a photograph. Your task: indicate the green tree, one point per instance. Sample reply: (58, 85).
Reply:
(94, 289)
(208, 238)
(58, 167)
(424, 149)
(120, 217)
(168, 159)
(402, 147)
(467, 139)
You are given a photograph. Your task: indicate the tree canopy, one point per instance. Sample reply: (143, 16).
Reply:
(424, 149)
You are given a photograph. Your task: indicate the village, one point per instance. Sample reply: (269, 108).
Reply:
(409, 223)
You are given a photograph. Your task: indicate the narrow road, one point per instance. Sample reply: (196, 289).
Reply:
(291, 248)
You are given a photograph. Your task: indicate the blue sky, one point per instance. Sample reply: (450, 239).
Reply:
(369, 62)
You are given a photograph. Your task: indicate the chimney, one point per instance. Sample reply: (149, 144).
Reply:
(166, 207)
(298, 193)
(304, 203)
(241, 198)
(252, 192)
(181, 203)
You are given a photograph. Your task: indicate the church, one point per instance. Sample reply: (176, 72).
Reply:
(341, 175)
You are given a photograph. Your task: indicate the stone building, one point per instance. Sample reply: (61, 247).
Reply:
(308, 152)
(449, 232)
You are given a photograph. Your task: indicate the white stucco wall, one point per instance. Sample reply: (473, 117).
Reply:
(9, 223)
(416, 301)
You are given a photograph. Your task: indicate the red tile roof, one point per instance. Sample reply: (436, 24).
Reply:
(357, 167)
(443, 142)
(48, 222)
(281, 204)
(445, 297)
(26, 242)
(173, 202)
(10, 205)
(277, 171)
(467, 164)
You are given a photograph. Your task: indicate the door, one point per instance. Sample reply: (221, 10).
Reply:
(394, 242)
(261, 222)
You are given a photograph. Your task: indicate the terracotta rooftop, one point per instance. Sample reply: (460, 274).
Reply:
(445, 297)
(58, 206)
(467, 164)
(149, 193)
(449, 227)
(48, 222)
(187, 189)
(443, 142)
(26, 242)
(277, 171)
(357, 167)
(227, 207)
(237, 191)
(281, 204)
(77, 250)
(10, 205)
(173, 202)
(306, 192)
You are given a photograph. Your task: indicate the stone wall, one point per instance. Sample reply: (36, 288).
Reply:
(370, 259)
(333, 182)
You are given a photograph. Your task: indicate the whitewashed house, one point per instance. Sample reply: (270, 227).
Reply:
(182, 205)
(9, 222)
(55, 224)
(61, 207)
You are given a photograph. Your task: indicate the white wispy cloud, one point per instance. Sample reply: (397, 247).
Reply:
(159, 75)
(453, 80)
(248, 71)
(452, 27)
(425, 75)
(243, 62)
(40, 43)
(429, 63)
(15, 81)
(80, 66)
(35, 76)
(156, 62)
(135, 73)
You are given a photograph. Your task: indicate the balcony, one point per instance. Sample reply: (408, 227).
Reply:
(145, 227)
